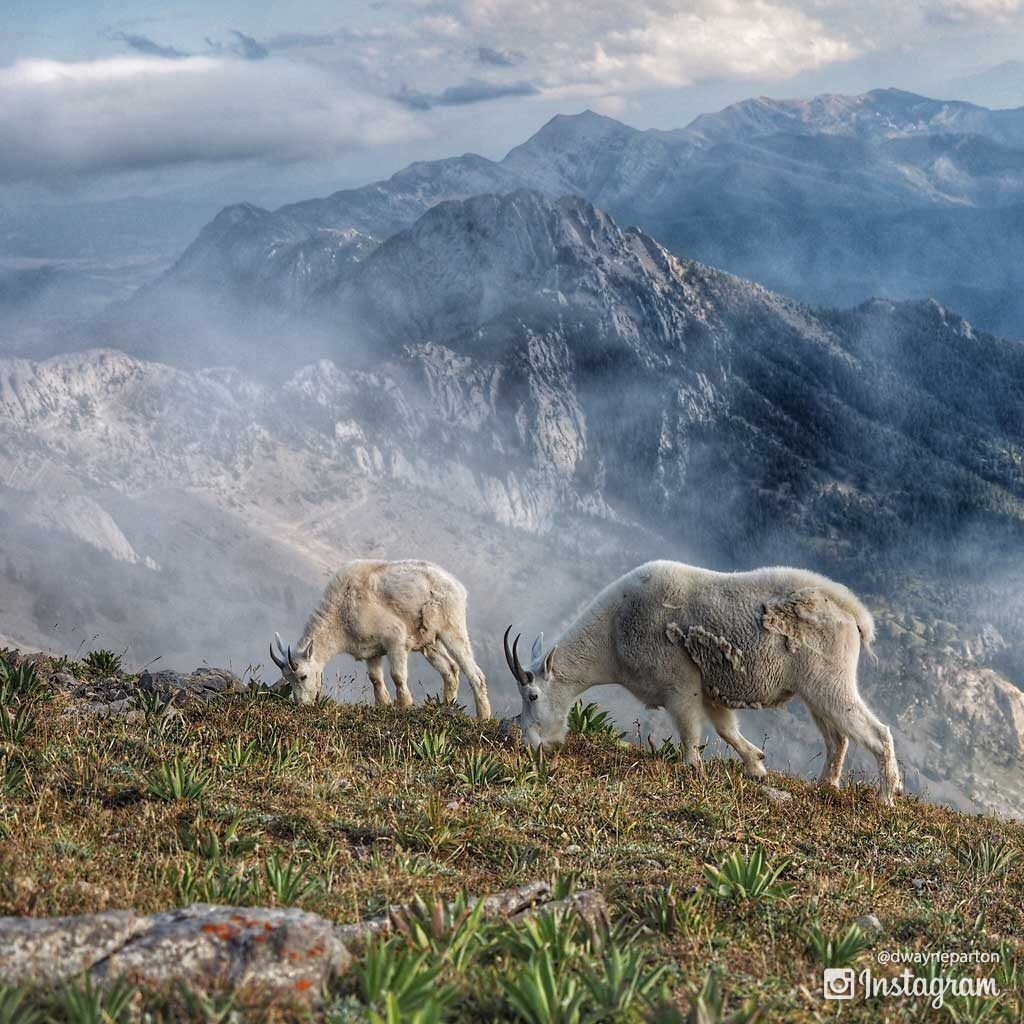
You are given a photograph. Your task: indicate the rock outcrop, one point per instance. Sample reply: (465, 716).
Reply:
(264, 955)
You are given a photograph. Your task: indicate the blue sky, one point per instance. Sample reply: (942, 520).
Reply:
(116, 97)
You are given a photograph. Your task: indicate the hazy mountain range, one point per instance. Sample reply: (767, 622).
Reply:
(453, 366)
(832, 201)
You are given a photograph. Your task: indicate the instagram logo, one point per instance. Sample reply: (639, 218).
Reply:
(839, 982)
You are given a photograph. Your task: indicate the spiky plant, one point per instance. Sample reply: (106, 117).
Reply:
(214, 844)
(433, 746)
(743, 877)
(450, 933)
(668, 912)
(237, 753)
(539, 993)
(16, 722)
(13, 778)
(389, 968)
(101, 663)
(15, 1007)
(624, 980)
(482, 768)
(988, 860)
(178, 779)
(17, 684)
(287, 880)
(213, 883)
(838, 950)
(590, 720)
(82, 1002)
(151, 703)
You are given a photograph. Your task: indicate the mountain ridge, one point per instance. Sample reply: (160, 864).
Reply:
(832, 200)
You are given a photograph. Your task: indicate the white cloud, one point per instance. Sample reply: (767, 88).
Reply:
(61, 120)
(605, 46)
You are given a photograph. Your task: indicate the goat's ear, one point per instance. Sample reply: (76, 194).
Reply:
(549, 661)
(309, 650)
(538, 648)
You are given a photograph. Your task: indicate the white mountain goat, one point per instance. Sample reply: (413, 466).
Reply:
(374, 610)
(698, 643)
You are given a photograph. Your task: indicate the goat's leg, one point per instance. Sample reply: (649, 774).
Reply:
(398, 662)
(686, 708)
(726, 725)
(461, 650)
(836, 745)
(446, 668)
(375, 670)
(853, 718)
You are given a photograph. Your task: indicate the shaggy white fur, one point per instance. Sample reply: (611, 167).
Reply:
(698, 642)
(372, 610)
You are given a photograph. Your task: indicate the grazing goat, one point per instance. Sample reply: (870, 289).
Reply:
(376, 609)
(699, 642)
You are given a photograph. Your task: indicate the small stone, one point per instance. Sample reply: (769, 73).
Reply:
(777, 796)
(341, 784)
(63, 682)
(588, 903)
(573, 850)
(869, 923)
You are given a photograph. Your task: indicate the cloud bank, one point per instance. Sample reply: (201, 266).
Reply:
(60, 120)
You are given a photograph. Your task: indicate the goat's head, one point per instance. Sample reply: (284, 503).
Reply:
(300, 668)
(542, 719)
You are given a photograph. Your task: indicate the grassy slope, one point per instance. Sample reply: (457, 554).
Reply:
(343, 792)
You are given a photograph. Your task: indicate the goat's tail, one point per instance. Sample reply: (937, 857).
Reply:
(852, 605)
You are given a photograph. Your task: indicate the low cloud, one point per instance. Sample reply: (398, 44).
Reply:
(472, 91)
(147, 46)
(61, 120)
(297, 40)
(499, 58)
(244, 46)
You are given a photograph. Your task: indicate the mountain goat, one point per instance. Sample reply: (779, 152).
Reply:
(699, 642)
(376, 609)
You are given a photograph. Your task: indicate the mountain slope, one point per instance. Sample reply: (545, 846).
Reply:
(540, 399)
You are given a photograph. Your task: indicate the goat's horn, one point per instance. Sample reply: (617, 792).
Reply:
(508, 657)
(280, 645)
(291, 660)
(517, 668)
(275, 659)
